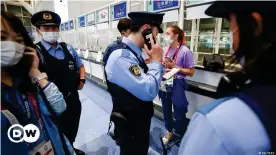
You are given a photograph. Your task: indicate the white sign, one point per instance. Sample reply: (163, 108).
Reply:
(29, 133)
(91, 18)
(103, 15)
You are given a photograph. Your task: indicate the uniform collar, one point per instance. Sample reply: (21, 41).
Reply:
(48, 46)
(130, 43)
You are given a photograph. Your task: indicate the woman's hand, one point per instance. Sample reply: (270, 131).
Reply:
(169, 64)
(31, 52)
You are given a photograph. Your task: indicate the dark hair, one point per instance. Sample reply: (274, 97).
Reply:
(136, 28)
(177, 30)
(22, 68)
(259, 52)
(124, 24)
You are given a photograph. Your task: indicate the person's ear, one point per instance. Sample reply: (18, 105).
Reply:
(259, 23)
(146, 26)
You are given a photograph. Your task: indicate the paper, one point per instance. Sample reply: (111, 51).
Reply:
(171, 73)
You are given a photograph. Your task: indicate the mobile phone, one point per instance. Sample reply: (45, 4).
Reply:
(168, 59)
(146, 34)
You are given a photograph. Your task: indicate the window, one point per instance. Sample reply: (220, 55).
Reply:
(187, 28)
(16, 10)
(25, 12)
(206, 35)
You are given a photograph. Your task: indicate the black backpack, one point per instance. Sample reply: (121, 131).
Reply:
(213, 62)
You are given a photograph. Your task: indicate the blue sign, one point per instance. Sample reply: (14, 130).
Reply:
(71, 24)
(62, 27)
(164, 4)
(119, 10)
(82, 21)
(66, 26)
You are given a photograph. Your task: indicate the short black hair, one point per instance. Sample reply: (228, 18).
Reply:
(135, 28)
(124, 24)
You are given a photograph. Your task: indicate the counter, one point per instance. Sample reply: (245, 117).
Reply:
(201, 90)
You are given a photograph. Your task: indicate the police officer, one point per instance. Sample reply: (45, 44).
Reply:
(133, 85)
(243, 121)
(64, 67)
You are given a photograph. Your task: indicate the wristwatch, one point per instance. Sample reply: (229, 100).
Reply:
(39, 77)
(82, 80)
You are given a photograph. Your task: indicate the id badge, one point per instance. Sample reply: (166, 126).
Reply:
(44, 148)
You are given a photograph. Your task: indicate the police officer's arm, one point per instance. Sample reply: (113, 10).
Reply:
(122, 68)
(78, 61)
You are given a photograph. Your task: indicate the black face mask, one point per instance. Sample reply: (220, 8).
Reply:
(146, 34)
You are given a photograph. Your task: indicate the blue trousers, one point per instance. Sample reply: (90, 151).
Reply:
(178, 100)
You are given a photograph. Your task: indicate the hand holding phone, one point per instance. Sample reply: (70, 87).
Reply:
(156, 51)
(147, 33)
(168, 59)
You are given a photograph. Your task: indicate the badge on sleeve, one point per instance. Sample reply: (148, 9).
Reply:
(135, 70)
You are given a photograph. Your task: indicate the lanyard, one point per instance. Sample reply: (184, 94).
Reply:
(175, 54)
(36, 109)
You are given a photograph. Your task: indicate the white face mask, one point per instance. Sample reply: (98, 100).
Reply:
(168, 40)
(50, 37)
(11, 53)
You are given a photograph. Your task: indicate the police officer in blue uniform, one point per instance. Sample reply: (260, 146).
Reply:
(64, 67)
(133, 85)
(242, 122)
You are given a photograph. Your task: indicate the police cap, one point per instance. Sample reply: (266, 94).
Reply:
(224, 8)
(139, 18)
(45, 18)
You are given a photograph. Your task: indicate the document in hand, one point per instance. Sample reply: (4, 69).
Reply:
(171, 73)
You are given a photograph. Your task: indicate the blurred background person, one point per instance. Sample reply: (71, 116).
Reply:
(123, 27)
(176, 55)
(243, 121)
(27, 97)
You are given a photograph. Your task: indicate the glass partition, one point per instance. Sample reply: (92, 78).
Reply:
(224, 47)
(204, 38)
(187, 28)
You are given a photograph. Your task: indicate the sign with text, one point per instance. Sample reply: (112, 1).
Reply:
(82, 21)
(71, 24)
(119, 11)
(90, 19)
(102, 15)
(159, 5)
(67, 26)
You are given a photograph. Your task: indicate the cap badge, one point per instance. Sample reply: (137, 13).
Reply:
(47, 16)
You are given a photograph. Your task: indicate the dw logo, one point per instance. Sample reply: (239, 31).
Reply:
(29, 133)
